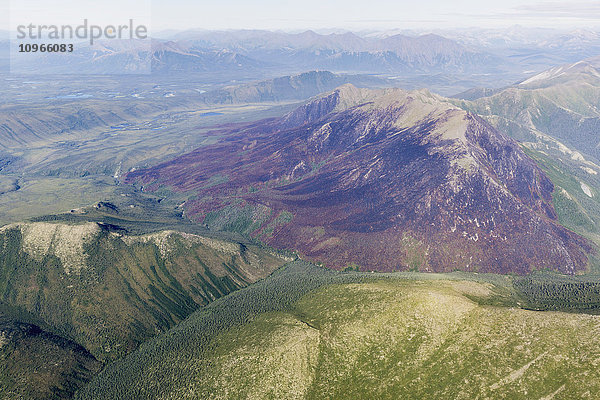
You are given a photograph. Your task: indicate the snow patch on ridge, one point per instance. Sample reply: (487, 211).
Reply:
(586, 189)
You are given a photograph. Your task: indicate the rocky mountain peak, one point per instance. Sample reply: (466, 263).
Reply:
(401, 174)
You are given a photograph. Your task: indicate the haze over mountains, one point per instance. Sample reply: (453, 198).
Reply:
(571, 45)
(346, 51)
(448, 61)
(240, 51)
(541, 43)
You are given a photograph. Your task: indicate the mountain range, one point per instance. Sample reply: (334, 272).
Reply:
(346, 51)
(244, 52)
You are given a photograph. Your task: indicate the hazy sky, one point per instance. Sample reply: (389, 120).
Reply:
(315, 14)
(365, 14)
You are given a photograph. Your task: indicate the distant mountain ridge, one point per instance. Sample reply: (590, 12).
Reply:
(587, 71)
(346, 51)
(139, 57)
(292, 87)
(256, 39)
(247, 51)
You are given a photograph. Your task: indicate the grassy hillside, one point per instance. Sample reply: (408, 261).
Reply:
(565, 111)
(110, 291)
(576, 198)
(309, 333)
(401, 340)
(142, 374)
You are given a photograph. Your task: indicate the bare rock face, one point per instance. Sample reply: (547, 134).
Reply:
(383, 180)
